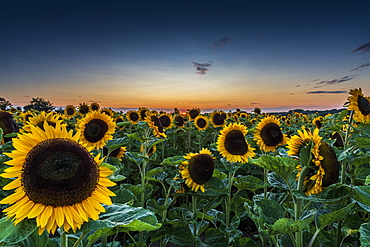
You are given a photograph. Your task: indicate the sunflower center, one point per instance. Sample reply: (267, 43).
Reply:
(235, 143)
(201, 168)
(84, 109)
(179, 121)
(70, 111)
(95, 130)
(134, 116)
(194, 113)
(165, 120)
(363, 105)
(59, 172)
(218, 119)
(201, 123)
(271, 134)
(157, 123)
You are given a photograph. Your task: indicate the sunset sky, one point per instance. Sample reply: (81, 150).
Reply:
(276, 55)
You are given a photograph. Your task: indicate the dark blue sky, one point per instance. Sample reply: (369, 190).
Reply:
(276, 54)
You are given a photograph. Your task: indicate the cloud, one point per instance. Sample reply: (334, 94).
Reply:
(335, 81)
(221, 42)
(298, 85)
(363, 48)
(326, 92)
(255, 104)
(363, 65)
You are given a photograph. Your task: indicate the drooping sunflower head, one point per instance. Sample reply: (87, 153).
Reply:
(7, 124)
(301, 140)
(326, 171)
(338, 140)
(56, 180)
(51, 118)
(179, 121)
(83, 109)
(96, 129)
(269, 135)
(148, 151)
(217, 119)
(116, 153)
(166, 120)
(69, 111)
(142, 111)
(155, 124)
(197, 169)
(360, 105)
(119, 119)
(193, 113)
(201, 122)
(94, 106)
(318, 122)
(133, 117)
(232, 145)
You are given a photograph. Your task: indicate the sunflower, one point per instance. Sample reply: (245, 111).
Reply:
(107, 111)
(324, 166)
(96, 129)
(193, 113)
(217, 119)
(318, 122)
(56, 180)
(94, 106)
(149, 152)
(25, 116)
(69, 111)
(201, 122)
(133, 117)
(155, 124)
(142, 111)
(8, 125)
(116, 153)
(83, 109)
(197, 169)
(119, 119)
(51, 118)
(360, 105)
(179, 121)
(166, 120)
(232, 145)
(269, 135)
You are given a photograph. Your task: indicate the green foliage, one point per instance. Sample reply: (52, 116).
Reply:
(4, 104)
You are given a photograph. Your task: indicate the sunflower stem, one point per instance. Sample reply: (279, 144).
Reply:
(265, 180)
(228, 199)
(80, 239)
(195, 230)
(298, 205)
(64, 239)
(345, 144)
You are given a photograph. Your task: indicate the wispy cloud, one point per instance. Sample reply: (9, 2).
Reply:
(255, 104)
(335, 81)
(326, 92)
(363, 48)
(221, 42)
(363, 65)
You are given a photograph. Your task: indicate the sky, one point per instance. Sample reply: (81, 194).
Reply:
(276, 55)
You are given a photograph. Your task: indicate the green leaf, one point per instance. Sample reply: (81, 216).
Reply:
(286, 226)
(11, 234)
(173, 161)
(123, 216)
(332, 217)
(362, 196)
(180, 234)
(113, 168)
(367, 180)
(216, 238)
(363, 142)
(1, 134)
(334, 193)
(248, 182)
(365, 234)
(282, 166)
(345, 154)
(116, 143)
(136, 137)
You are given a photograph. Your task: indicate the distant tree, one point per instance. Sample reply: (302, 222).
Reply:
(39, 104)
(4, 104)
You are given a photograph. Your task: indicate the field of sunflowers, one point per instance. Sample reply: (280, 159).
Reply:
(90, 176)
